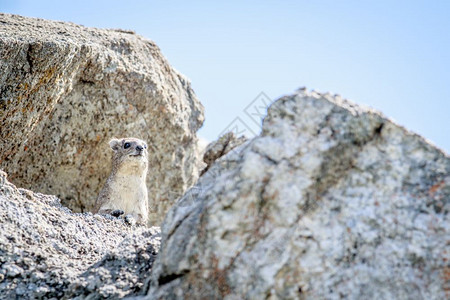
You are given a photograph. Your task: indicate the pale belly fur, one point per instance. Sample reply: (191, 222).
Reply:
(130, 195)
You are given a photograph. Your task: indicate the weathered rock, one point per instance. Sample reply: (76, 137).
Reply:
(122, 271)
(331, 201)
(220, 147)
(66, 90)
(48, 252)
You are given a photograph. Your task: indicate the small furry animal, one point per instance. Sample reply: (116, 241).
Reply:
(125, 189)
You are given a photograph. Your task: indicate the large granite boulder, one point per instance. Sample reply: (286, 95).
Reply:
(331, 201)
(48, 252)
(65, 90)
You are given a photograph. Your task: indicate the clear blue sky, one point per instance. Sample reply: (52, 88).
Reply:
(391, 55)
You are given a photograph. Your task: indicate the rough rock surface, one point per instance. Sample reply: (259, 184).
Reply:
(48, 252)
(331, 201)
(220, 147)
(65, 90)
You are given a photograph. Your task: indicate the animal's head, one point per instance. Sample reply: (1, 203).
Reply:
(129, 151)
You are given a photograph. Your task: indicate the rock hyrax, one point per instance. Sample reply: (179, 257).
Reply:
(125, 187)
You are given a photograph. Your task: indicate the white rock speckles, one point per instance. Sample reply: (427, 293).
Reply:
(47, 252)
(332, 201)
(66, 90)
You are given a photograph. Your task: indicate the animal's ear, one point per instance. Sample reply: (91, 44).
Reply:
(114, 144)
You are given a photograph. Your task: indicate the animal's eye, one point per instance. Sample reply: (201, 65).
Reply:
(145, 146)
(126, 145)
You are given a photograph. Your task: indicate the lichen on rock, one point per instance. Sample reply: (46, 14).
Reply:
(331, 201)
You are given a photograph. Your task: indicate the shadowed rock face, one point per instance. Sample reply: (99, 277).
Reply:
(66, 90)
(47, 252)
(331, 201)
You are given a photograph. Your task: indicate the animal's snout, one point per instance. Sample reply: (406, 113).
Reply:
(139, 148)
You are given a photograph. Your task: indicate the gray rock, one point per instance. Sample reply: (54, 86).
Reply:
(122, 272)
(220, 147)
(65, 90)
(331, 201)
(47, 252)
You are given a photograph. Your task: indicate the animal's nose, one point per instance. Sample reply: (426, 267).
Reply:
(140, 148)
